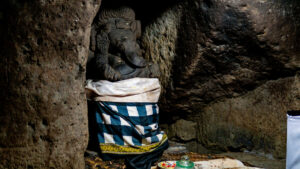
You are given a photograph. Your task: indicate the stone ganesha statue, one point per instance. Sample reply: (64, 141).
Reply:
(114, 48)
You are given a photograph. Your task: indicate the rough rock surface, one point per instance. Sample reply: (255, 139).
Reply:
(183, 130)
(254, 121)
(43, 117)
(226, 53)
(159, 42)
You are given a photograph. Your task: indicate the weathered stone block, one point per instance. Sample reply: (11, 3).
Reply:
(44, 47)
(183, 130)
(224, 54)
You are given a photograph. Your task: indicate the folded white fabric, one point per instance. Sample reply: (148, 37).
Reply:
(130, 90)
(293, 140)
(224, 163)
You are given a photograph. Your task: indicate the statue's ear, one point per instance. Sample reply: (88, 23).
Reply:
(102, 42)
(136, 28)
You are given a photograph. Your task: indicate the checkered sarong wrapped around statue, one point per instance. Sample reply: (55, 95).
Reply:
(127, 115)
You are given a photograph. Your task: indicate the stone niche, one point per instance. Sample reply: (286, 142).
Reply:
(145, 14)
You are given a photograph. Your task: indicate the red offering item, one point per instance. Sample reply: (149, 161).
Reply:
(167, 165)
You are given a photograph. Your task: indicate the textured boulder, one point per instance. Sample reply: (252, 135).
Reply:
(183, 130)
(44, 47)
(219, 52)
(255, 120)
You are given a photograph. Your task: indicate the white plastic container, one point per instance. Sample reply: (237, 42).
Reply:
(293, 140)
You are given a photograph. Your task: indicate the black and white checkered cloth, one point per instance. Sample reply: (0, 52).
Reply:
(134, 124)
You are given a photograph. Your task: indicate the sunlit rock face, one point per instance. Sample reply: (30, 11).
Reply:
(43, 119)
(231, 67)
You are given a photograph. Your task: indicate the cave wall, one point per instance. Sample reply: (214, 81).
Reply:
(230, 71)
(43, 119)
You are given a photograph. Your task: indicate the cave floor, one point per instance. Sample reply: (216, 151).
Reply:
(176, 150)
(94, 162)
(257, 160)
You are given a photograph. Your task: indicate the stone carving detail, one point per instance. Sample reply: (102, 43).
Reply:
(114, 51)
